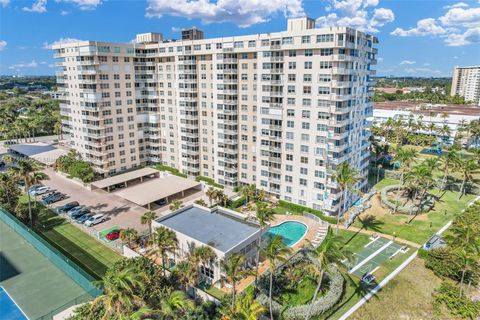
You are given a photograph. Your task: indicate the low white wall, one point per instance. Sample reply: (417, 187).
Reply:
(129, 253)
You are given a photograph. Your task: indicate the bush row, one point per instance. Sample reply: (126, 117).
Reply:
(234, 204)
(209, 181)
(172, 170)
(299, 209)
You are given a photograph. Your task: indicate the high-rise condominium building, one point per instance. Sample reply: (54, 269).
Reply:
(466, 83)
(279, 110)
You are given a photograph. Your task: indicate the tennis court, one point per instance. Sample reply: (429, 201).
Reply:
(367, 251)
(8, 308)
(35, 284)
(373, 256)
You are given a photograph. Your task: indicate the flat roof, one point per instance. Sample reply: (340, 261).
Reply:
(39, 151)
(217, 229)
(120, 178)
(156, 189)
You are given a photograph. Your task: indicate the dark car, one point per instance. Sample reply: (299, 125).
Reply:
(83, 218)
(113, 235)
(57, 196)
(368, 278)
(67, 206)
(80, 213)
(49, 194)
(161, 202)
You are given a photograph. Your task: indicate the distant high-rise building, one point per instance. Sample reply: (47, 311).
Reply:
(280, 110)
(466, 83)
(192, 34)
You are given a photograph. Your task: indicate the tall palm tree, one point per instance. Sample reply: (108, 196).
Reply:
(449, 160)
(467, 167)
(275, 252)
(419, 180)
(175, 304)
(147, 218)
(129, 236)
(25, 170)
(186, 273)
(264, 215)
(203, 255)
(406, 157)
(164, 240)
(248, 191)
(247, 308)
(328, 253)
(233, 272)
(175, 205)
(211, 194)
(221, 198)
(346, 177)
(37, 177)
(120, 293)
(467, 260)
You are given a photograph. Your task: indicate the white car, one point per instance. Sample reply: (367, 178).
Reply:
(39, 191)
(96, 219)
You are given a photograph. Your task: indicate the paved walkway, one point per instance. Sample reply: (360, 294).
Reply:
(388, 236)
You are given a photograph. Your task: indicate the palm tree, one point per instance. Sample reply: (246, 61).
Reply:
(175, 205)
(248, 191)
(175, 304)
(24, 170)
(346, 178)
(233, 273)
(204, 256)
(221, 198)
(147, 218)
(449, 160)
(467, 167)
(327, 254)
(37, 177)
(420, 180)
(247, 308)
(165, 240)
(128, 236)
(186, 273)
(264, 216)
(201, 202)
(211, 194)
(467, 259)
(120, 293)
(406, 157)
(275, 252)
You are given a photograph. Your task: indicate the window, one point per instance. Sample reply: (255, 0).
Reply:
(325, 38)
(305, 125)
(292, 65)
(307, 78)
(308, 65)
(303, 182)
(308, 52)
(305, 39)
(292, 53)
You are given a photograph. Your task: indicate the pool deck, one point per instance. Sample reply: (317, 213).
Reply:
(312, 228)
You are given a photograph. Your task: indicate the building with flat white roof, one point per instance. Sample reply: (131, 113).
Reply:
(280, 110)
(466, 83)
(225, 231)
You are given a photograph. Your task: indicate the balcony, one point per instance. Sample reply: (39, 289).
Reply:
(341, 84)
(230, 81)
(228, 60)
(276, 58)
(86, 72)
(228, 71)
(87, 63)
(275, 127)
(275, 71)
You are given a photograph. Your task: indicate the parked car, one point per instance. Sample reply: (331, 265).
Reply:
(80, 213)
(57, 196)
(113, 235)
(48, 194)
(84, 218)
(34, 187)
(67, 206)
(39, 191)
(96, 219)
(368, 278)
(161, 202)
(73, 210)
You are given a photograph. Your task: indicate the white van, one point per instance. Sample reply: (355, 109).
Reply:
(96, 219)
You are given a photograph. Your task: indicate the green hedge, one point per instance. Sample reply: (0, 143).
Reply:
(172, 170)
(234, 204)
(209, 181)
(299, 209)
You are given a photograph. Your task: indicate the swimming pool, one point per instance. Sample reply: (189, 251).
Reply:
(291, 231)
(8, 308)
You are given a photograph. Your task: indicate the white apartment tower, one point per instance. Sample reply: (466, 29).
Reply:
(466, 83)
(278, 110)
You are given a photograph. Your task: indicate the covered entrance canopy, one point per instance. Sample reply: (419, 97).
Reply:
(144, 194)
(125, 178)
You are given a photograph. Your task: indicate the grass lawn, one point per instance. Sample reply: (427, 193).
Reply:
(87, 252)
(407, 296)
(212, 290)
(354, 242)
(302, 294)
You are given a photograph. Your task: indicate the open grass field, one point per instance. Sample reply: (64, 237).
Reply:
(89, 253)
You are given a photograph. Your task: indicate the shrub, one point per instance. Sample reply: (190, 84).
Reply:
(82, 170)
(234, 204)
(209, 181)
(299, 209)
(172, 170)
(447, 295)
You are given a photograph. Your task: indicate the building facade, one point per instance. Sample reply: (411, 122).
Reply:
(278, 110)
(466, 83)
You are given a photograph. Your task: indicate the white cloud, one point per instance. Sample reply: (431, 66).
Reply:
(43, 62)
(380, 59)
(47, 45)
(357, 14)
(4, 3)
(3, 45)
(459, 26)
(244, 13)
(40, 6)
(456, 5)
(424, 27)
(17, 66)
(176, 29)
(85, 4)
(423, 71)
(468, 37)
(64, 12)
(455, 57)
(407, 62)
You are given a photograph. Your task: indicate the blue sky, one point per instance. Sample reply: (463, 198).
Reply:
(417, 37)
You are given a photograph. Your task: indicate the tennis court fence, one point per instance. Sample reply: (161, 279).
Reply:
(71, 269)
